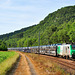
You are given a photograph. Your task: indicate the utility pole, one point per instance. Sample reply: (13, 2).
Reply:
(28, 43)
(39, 44)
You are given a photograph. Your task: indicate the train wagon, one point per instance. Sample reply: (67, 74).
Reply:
(51, 50)
(67, 50)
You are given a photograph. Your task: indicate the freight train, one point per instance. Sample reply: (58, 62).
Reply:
(63, 50)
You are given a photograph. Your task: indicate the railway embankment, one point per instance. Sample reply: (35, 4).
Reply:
(67, 65)
(48, 65)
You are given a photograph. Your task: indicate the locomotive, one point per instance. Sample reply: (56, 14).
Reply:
(64, 50)
(67, 50)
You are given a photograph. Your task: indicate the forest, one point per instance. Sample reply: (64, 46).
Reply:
(57, 27)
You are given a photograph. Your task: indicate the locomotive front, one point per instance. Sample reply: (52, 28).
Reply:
(73, 51)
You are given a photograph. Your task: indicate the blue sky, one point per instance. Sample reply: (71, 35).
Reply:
(17, 14)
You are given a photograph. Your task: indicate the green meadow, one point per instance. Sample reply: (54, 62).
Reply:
(5, 55)
(7, 59)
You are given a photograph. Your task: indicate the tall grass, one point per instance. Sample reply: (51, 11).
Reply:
(7, 63)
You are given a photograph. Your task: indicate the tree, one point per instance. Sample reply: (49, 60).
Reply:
(3, 46)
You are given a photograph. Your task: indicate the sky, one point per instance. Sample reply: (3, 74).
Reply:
(18, 14)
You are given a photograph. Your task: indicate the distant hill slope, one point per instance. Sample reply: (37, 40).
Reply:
(57, 27)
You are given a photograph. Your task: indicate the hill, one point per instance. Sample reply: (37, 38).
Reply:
(57, 27)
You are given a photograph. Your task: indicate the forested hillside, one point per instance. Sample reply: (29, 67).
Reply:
(57, 27)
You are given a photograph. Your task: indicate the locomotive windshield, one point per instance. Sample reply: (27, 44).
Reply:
(73, 47)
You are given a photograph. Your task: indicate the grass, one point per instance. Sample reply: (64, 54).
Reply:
(5, 55)
(7, 59)
(46, 66)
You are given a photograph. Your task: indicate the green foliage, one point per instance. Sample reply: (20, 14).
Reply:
(71, 33)
(3, 46)
(57, 27)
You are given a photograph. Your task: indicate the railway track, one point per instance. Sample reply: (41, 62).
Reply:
(64, 62)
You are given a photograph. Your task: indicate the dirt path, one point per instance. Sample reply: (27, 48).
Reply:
(31, 66)
(23, 68)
